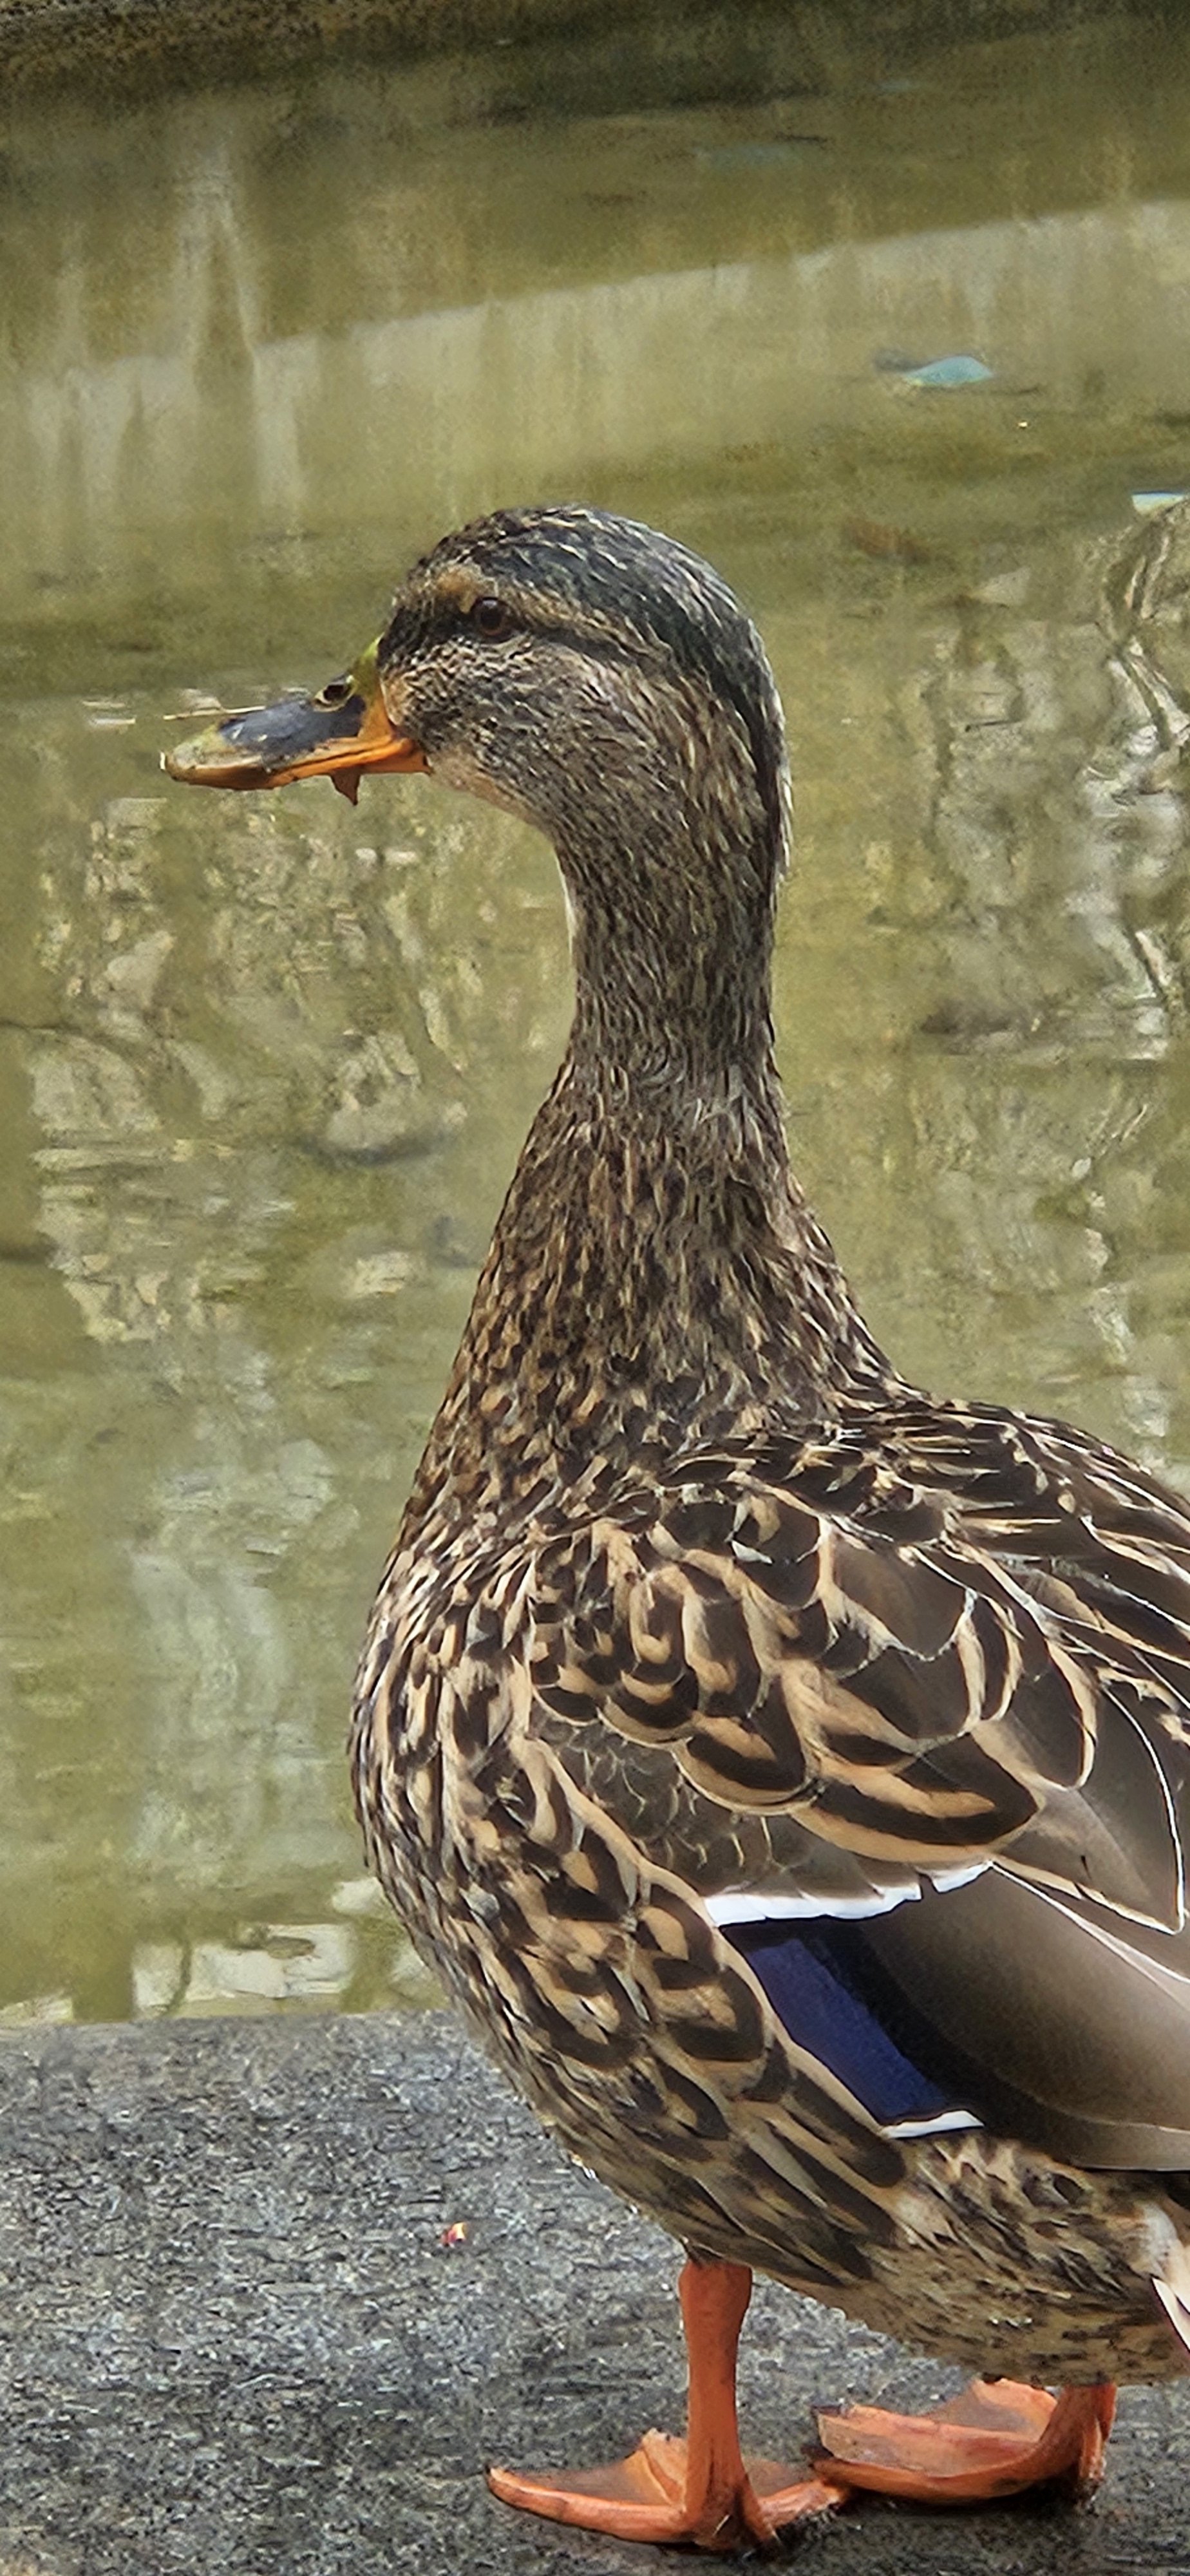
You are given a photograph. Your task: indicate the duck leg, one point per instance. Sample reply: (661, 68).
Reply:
(994, 2440)
(699, 2491)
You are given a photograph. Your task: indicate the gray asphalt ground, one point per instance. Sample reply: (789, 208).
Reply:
(233, 2341)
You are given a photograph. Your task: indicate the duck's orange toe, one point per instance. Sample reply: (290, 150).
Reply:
(699, 2492)
(657, 2494)
(997, 2439)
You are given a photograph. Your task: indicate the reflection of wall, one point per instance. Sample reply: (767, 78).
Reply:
(543, 390)
(338, 317)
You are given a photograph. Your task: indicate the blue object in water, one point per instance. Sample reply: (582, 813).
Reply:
(945, 372)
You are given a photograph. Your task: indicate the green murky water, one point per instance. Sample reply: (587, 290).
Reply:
(264, 1065)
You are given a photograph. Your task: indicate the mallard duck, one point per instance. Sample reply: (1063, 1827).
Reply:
(783, 1769)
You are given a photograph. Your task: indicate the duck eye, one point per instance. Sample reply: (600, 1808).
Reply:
(491, 617)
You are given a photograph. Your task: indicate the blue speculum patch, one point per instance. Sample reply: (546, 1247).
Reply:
(812, 1974)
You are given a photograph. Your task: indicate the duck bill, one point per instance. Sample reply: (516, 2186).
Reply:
(339, 734)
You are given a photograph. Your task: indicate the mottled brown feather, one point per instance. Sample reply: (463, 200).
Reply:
(695, 1598)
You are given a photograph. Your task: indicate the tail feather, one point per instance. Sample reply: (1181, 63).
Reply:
(1172, 2285)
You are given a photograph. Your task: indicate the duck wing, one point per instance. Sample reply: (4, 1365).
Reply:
(1102, 1543)
(912, 1714)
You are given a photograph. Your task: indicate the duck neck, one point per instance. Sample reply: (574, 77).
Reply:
(671, 857)
(655, 1280)
(672, 1005)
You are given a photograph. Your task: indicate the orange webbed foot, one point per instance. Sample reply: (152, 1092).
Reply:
(699, 2492)
(997, 2439)
(660, 2494)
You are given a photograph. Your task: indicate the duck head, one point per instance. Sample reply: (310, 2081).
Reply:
(600, 681)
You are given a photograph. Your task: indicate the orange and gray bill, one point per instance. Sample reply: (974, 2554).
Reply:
(343, 731)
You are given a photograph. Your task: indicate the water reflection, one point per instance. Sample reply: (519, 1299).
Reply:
(264, 1066)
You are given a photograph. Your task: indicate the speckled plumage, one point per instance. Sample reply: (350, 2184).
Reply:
(699, 1612)
(694, 1594)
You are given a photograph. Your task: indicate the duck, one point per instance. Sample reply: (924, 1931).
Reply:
(783, 1769)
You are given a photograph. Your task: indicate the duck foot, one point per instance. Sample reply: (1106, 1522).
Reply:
(662, 2492)
(997, 2439)
(699, 2491)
